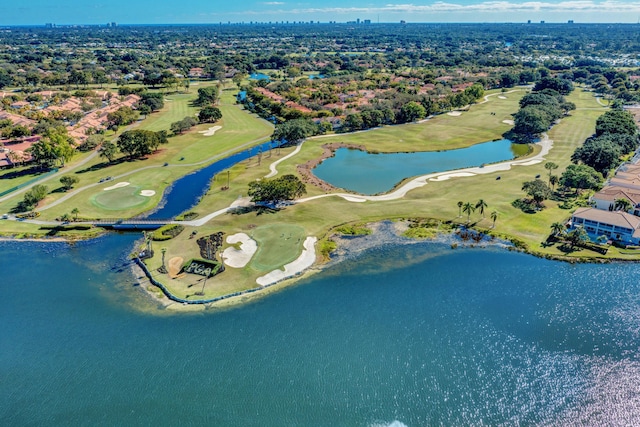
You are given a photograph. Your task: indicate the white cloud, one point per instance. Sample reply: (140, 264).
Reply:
(273, 3)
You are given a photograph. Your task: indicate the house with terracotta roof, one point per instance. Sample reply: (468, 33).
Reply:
(626, 180)
(16, 119)
(616, 225)
(605, 199)
(13, 154)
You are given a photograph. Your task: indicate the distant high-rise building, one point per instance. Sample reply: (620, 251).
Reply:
(529, 21)
(114, 24)
(542, 22)
(367, 21)
(358, 21)
(403, 22)
(570, 21)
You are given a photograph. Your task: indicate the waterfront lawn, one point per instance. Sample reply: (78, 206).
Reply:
(441, 132)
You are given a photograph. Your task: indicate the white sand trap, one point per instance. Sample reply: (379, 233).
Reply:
(304, 261)
(502, 97)
(118, 185)
(451, 175)
(509, 122)
(354, 199)
(529, 163)
(147, 193)
(454, 113)
(211, 131)
(238, 258)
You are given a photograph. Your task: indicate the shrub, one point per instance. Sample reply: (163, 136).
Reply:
(353, 230)
(167, 232)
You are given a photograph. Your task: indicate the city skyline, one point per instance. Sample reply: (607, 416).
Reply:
(77, 12)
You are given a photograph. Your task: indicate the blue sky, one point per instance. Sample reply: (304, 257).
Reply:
(27, 12)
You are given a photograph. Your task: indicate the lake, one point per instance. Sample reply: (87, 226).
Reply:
(403, 335)
(370, 173)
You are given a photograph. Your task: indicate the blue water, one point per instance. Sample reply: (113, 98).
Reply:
(368, 173)
(420, 334)
(259, 76)
(187, 191)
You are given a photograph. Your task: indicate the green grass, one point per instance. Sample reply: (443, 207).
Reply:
(184, 153)
(278, 244)
(442, 132)
(436, 200)
(120, 199)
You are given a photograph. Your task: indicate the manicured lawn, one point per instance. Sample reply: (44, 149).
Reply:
(443, 131)
(278, 244)
(435, 200)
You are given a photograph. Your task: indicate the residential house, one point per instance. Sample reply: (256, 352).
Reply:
(605, 199)
(616, 225)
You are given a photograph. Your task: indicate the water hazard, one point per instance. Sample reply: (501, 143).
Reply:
(368, 173)
(402, 335)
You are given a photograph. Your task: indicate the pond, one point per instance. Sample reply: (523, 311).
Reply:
(368, 173)
(259, 76)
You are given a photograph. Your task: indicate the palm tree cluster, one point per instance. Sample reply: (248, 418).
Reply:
(470, 208)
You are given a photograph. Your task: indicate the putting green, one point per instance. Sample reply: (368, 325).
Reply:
(278, 244)
(119, 198)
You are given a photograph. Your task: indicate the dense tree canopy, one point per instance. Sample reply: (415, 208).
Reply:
(616, 121)
(183, 125)
(537, 189)
(154, 100)
(581, 177)
(272, 191)
(206, 96)
(294, 131)
(138, 143)
(209, 114)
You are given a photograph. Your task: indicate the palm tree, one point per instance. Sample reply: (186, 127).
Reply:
(553, 180)
(577, 235)
(494, 217)
(622, 204)
(468, 208)
(557, 228)
(481, 205)
(75, 213)
(550, 166)
(460, 203)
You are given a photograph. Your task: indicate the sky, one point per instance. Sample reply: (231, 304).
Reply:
(39, 12)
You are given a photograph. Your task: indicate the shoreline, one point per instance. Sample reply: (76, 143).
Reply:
(384, 232)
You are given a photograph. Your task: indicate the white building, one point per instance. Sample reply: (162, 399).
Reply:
(605, 199)
(616, 225)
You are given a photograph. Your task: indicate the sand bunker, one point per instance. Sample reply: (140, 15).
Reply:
(454, 113)
(118, 185)
(451, 175)
(147, 193)
(355, 199)
(502, 97)
(239, 258)
(211, 131)
(509, 122)
(175, 265)
(304, 261)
